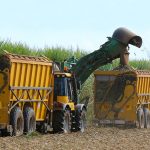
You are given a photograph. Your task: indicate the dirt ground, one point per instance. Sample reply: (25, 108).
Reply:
(99, 138)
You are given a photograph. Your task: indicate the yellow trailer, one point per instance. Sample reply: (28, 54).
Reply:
(26, 89)
(35, 94)
(122, 97)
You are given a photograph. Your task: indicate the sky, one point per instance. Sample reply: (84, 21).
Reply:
(83, 24)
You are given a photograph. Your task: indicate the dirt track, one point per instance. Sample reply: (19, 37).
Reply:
(94, 138)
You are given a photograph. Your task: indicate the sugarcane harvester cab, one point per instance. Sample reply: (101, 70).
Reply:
(68, 114)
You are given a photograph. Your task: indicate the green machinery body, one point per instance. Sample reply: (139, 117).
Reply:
(112, 49)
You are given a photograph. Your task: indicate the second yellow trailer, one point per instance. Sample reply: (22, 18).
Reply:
(122, 97)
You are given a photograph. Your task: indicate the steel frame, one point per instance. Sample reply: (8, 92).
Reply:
(35, 90)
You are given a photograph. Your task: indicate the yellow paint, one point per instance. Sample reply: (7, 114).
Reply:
(33, 74)
(23, 75)
(28, 75)
(12, 74)
(4, 98)
(43, 76)
(71, 105)
(65, 100)
(63, 74)
(0, 105)
(62, 99)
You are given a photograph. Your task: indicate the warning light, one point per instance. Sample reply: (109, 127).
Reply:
(65, 68)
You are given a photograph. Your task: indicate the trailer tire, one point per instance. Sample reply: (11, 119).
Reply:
(4, 133)
(17, 121)
(140, 118)
(61, 121)
(83, 120)
(29, 120)
(146, 118)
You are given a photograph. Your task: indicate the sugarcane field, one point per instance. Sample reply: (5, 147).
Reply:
(74, 75)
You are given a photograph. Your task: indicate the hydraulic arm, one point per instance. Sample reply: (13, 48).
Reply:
(115, 47)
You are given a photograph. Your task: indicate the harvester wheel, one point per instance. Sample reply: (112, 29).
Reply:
(17, 121)
(146, 118)
(61, 121)
(80, 120)
(67, 121)
(140, 118)
(29, 120)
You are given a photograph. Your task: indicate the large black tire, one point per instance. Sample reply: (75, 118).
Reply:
(140, 118)
(80, 121)
(61, 121)
(44, 128)
(17, 121)
(146, 118)
(29, 120)
(4, 133)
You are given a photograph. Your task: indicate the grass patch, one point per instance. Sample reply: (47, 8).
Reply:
(33, 134)
(53, 53)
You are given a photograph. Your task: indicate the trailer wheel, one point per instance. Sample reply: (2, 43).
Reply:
(140, 118)
(61, 121)
(146, 118)
(29, 120)
(83, 120)
(80, 120)
(17, 121)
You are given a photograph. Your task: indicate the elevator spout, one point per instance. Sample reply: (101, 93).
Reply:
(126, 37)
(117, 46)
